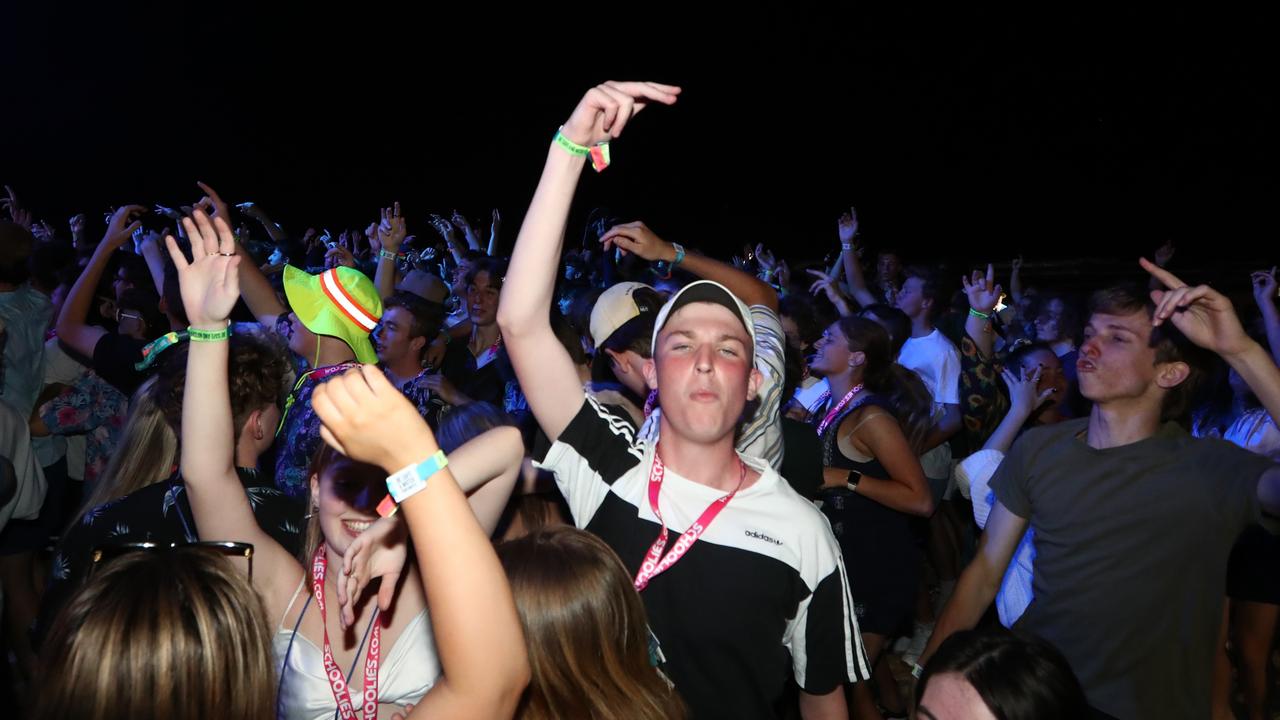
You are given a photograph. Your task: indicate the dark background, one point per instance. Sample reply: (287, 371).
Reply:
(959, 133)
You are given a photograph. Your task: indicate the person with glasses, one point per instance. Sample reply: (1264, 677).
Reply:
(141, 499)
(474, 665)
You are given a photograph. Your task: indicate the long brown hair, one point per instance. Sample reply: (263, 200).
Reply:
(160, 634)
(908, 397)
(586, 629)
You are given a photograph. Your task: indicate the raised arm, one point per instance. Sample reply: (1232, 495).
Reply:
(494, 227)
(983, 294)
(545, 371)
(218, 501)
(72, 327)
(391, 234)
(254, 286)
(636, 237)
(1023, 401)
(255, 211)
(847, 227)
(1264, 293)
(478, 635)
(1207, 318)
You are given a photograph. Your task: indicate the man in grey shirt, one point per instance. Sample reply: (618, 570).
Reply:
(1134, 519)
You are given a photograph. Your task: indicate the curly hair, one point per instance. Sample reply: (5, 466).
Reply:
(257, 370)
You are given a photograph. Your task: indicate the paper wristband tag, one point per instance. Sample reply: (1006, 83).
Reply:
(413, 478)
(387, 507)
(600, 156)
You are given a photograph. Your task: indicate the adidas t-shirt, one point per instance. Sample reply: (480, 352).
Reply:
(761, 594)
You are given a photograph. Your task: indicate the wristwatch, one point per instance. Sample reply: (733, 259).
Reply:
(852, 482)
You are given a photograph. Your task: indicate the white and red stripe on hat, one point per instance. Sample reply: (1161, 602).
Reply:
(333, 289)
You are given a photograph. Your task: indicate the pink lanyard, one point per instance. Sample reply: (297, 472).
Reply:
(831, 415)
(337, 683)
(654, 562)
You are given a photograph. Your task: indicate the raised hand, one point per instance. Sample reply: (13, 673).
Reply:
(1201, 313)
(982, 290)
(212, 200)
(636, 237)
(391, 228)
(1264, 288)
(379, 552)
(847, 226)
(209, 281)
(368, 419)
(121, 225)
(606, 108)
(1023, 396)
(827, 284)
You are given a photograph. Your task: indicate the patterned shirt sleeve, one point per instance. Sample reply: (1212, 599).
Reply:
(982, 405)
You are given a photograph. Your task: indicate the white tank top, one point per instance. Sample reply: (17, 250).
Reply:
(406, 673)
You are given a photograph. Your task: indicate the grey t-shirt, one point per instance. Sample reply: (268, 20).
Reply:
(1131, 558)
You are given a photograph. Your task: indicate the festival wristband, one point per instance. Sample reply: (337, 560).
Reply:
(982, 315)
(917, 670)
(679, 259)
(388, 255)
(847, 247)
(599, 153)
(412, 479)
(570, 146)
(195, 335)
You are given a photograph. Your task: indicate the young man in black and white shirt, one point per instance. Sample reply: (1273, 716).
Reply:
(761, 586)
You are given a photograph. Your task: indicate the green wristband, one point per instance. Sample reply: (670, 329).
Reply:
(195, 335)
(570, 146)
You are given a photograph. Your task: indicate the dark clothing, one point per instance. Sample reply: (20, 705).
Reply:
(114, 357)
(877, 543)
(157, 513)
(1131, 558)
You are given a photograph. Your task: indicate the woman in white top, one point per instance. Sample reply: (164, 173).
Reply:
(481, 667)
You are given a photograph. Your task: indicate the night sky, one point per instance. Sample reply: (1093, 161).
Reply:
(965, 132)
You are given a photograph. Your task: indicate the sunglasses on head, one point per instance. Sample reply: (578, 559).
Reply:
(231, 550)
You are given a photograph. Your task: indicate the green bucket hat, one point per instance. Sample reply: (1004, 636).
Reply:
(340, 302)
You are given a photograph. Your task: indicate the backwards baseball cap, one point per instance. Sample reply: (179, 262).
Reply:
(707, 291)
(340, 302)
(619, 305)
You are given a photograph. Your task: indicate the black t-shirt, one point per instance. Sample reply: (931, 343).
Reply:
(114, 357)
(760, 596)
(1131, 557)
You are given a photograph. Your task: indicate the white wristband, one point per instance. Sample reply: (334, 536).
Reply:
(412, 479)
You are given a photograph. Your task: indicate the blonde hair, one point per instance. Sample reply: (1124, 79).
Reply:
(145, 455)
(160, 634)
(587, 631)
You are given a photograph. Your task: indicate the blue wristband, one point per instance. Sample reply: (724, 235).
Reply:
(412, 479)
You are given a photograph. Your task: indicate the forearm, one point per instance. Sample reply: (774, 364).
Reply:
(385, 277)
(154, 258)
(857, 282)
(974, 593)
(830, 706)
(901, 496)
(256, 290)
(486, 469)
(982, 335)
(493, 242)
(75, 310)
(274, 231)
(1259, 371)
(530, 284)
(1271, 321)
(478, 635)
(1007, 431)
(751, 290)
(1015, 284)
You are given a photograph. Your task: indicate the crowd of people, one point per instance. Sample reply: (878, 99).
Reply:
(252, 473)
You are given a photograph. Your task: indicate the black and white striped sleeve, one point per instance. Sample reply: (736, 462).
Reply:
(596, 449)
(824, 639)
